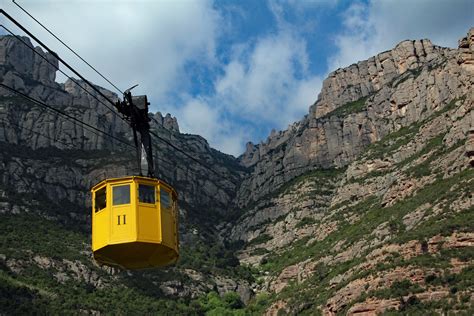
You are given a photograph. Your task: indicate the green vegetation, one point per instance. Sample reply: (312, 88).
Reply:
(36, 290)
(23, 233)
(212, 304)
(322, 182)
(349, 108)
(411, 73)
(260, 239)
(370, 175)
(67, 157)
(17, 299)
(397, 289)
(448, 306)
(457, 282)
(392, 141)
(316, 290)
(441, 260)
(300, 251)
(319, 176)
(423, 169)
(450, 106)
(436, 146)
(259, 252)
(215, 258)
(306, 221)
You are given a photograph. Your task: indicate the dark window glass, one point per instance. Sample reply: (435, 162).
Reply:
(146, 193)
(165, 198)
(100, 199)
(121, 194)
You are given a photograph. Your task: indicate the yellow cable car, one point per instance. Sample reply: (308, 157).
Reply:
(134, 223)
(134, 219)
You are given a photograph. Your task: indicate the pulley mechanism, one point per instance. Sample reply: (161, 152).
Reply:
(135, 109)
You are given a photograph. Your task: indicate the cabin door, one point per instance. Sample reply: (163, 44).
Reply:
(121, 215)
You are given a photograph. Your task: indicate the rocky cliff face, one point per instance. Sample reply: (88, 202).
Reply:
(384, 195)
(358, 106)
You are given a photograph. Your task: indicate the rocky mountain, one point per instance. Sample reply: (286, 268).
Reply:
(364, 206)
(357, 106)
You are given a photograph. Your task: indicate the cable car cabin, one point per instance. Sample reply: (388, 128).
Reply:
(134, 223)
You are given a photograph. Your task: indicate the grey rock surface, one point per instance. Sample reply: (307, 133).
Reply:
(393, 89)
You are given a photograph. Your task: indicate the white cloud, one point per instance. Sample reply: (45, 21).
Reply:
(144, 42)
(379, 25)
(197, 116)
(264, 84)
(205, 119)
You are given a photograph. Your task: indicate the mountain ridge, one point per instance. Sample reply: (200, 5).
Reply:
(379, 72)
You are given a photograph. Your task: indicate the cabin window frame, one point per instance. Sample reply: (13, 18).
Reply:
(154, 193)
(169, 206)
(121, 202)
(97, 194)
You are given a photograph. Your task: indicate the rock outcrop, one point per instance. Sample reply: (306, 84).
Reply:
(20, 62)
(358, 106)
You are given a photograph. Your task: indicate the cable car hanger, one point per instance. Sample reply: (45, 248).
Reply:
(135, 109)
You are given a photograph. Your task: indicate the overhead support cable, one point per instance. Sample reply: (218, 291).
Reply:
(58, 58)
(40, 103)
(103, 132)
(57, 68)
(183, 152)
(67, 46)
(70, 146)
(35, 132)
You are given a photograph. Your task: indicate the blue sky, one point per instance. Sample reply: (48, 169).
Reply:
(232, 71)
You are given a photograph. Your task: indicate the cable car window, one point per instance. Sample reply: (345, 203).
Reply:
(121, 194)
(165, 198)
(146, 193)
(100, 200)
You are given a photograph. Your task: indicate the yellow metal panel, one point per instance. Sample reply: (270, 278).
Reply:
(122, 219)
(100, 229)
(148, 219)
(167, 228)
(148, 223)
(136, 255)
(100, 223)
(168, 220)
